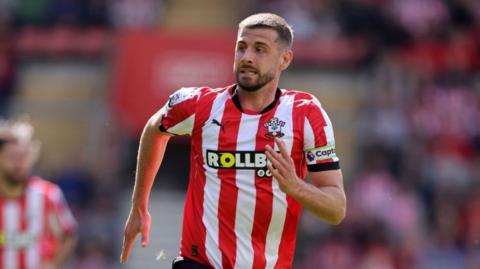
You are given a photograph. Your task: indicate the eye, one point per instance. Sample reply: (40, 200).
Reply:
(261, 49)
(241, 47)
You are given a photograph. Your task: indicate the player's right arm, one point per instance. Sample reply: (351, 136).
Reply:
(152, 147)
(175, 118)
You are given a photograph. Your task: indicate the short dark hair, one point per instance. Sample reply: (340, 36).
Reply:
(272, 21)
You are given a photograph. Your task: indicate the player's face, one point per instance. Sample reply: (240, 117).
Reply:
(15, 162)
(258, 57)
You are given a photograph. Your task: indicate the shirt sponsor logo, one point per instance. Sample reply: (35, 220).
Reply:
(17, 240)
(253, 160)
(320, 154)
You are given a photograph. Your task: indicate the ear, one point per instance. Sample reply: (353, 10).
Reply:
(286, 59)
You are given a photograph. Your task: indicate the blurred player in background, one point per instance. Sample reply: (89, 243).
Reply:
(37, 229)
(241, 210)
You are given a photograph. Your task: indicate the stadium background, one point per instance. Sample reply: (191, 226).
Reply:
(399, 78)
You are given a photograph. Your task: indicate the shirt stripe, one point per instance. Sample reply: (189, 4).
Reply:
(11, 217)
(293, 208)
(246, 194)
(193, 231)
(287, 242)
(279, 205)
(210, 136)
(264, 198)
(227, 141)
(22, 229)
(35, 205)
(308, 133)
(298, 125)
(317, 122)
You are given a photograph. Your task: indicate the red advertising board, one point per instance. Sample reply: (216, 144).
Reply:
(149, 66)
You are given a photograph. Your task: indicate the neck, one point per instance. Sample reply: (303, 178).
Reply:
(257, 101)
(9, 189)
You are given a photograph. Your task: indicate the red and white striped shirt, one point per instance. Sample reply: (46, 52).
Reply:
(235, 214)
(31, 224)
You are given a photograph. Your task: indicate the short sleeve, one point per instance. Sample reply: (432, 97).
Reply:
(319, 142)
(61, 219)
(178, 114)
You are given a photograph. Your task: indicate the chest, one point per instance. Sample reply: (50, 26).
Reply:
(246, 132)
(21, 221)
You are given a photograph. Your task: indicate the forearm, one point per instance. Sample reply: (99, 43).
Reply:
(150, 155)
(327, 203)
(324, 197)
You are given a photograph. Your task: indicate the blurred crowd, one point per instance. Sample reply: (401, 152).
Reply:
(426, 34)
(46, 29)
(414, 199)
(90, 13)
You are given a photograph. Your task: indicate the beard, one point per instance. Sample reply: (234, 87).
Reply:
(253, 85)
(14, 179)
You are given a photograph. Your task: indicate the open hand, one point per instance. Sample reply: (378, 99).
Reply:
(282, 167)
(138, 222)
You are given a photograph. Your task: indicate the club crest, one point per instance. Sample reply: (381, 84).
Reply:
(274, 128)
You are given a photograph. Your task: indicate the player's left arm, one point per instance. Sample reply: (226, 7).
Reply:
(66, 247)
(324, 196)
(64, 226)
